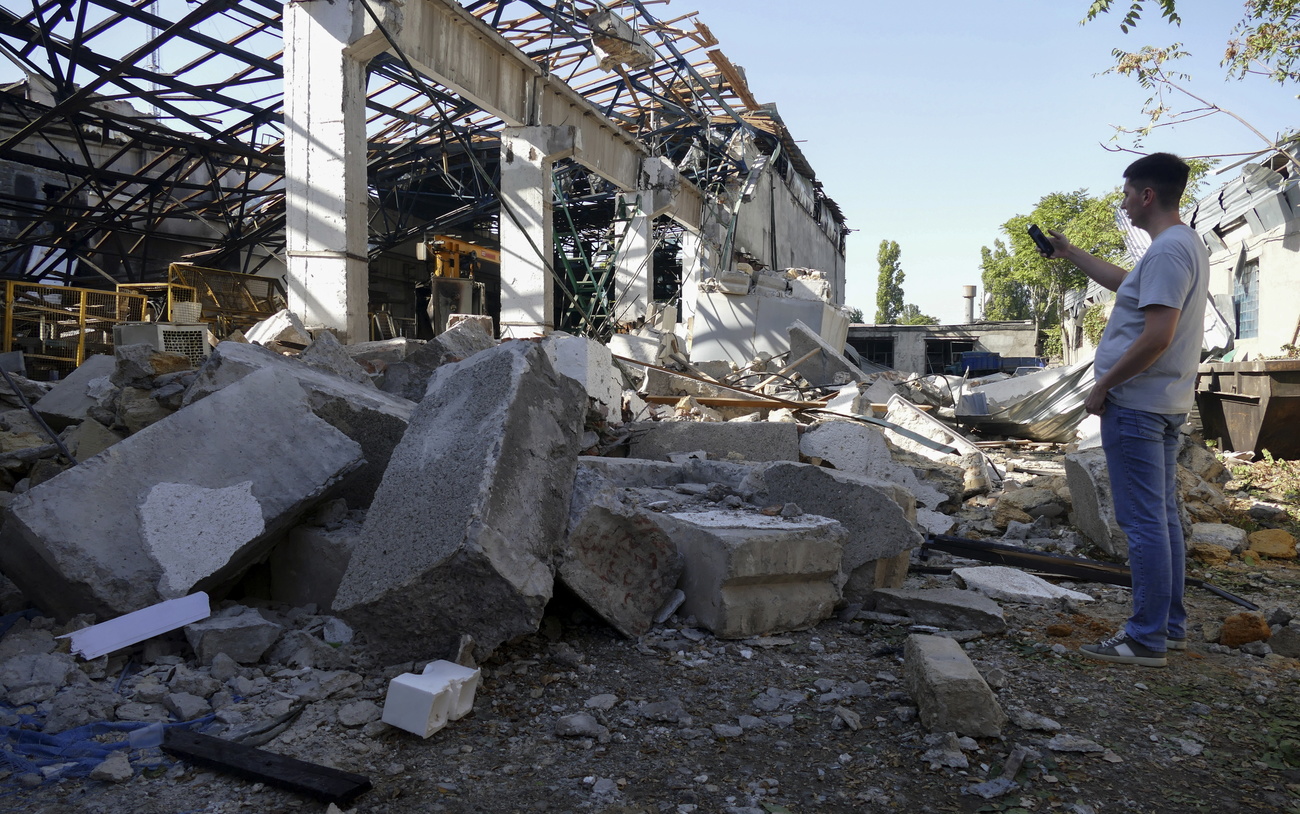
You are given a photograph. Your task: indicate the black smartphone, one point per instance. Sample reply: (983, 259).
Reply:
(1044, 245)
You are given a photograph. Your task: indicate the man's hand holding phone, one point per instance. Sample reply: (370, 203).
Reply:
(1045, 246)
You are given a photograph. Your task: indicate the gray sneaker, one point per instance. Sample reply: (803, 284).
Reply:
(1176, 644)
(1120, 649)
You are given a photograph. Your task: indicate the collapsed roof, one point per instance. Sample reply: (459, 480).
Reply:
(165, 118)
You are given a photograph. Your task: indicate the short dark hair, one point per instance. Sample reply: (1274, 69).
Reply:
(1165, 173)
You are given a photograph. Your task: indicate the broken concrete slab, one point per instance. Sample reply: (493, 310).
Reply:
(409, 378)
(1220, 534)
(731, 441)
(948, 608)
(460, 538)
(374, 419)
(615, 558)
(88, 439)
(283, 326)
(877, 524)
(69, 399)
(646, 473)
(140, 364)
(828, 366)
(1093, 501)
(175, 507)
(1014, 585)
(591, 365)
(748, 574)
(328, 354)
(950, 694)
(862, 450)
(905, 414)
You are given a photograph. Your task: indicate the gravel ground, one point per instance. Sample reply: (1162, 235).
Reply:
(578, 719)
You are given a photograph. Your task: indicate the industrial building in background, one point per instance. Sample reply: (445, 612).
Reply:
(597, 157)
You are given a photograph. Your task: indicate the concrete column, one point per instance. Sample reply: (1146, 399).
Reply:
(527, 237)
(694, 257)
(634, 264)
(325, 164)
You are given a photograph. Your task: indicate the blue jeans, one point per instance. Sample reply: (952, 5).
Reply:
(1141, 456)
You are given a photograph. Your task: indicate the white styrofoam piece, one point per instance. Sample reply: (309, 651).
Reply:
(422, 704)
(124, 631)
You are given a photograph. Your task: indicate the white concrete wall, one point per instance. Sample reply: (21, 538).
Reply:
(1278, 252)
(801, 240)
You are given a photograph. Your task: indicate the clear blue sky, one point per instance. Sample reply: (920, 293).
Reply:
(933, 123)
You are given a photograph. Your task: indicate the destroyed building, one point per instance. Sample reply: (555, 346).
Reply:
(353, 338)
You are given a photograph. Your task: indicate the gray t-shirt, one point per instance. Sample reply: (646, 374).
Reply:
(1174, 272)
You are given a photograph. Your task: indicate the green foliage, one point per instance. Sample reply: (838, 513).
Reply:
(1167, 10)
(1052, 343)
(911, 315)
(889, 285)
(1266, 42)
(856, 315)
(1094, 323)
(1022, 284)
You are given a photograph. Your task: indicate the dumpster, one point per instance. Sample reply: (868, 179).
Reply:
(1251, 405)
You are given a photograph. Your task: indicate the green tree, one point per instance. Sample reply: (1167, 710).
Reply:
(889, 285)
(911, 315)
(856, 316)
(1022, 284)
(1266, 42)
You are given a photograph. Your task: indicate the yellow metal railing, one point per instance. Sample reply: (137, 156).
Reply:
(231, 301)
(57, 327)
(169, 296)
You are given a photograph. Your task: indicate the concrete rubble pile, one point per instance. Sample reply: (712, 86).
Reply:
(360, 512)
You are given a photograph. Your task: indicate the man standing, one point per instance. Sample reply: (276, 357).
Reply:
(1145, 371)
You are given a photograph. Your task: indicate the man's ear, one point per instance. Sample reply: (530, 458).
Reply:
(1148, 196)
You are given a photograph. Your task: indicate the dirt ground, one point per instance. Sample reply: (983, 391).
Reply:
(813, 721)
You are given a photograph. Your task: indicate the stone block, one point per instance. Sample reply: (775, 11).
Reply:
(69, 399)
(614, 557)
(1285, 640)
(1242, 628)
(950, 694)
(244, 636)
(591, 365)
(377, 355)
(423, 703)
(1277, 544)
(878, 517)
(859, 449)
(177, 507)
(460, 538)
(327, 354)
(140, 364)
(731, 441)
(410, 377)
(1220, 534)
(89, 438)
(373, 419)
(747, 574)
(137, 409)
(1093, 502)
(283, 326)
(948, 608)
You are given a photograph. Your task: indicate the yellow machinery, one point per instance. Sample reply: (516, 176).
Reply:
(57, 327)
(453, 287)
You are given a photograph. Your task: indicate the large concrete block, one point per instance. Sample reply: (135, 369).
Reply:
(409, 378)
(860, 449)
(1093, 501)
(185, 504)
(906, 415)
(748, 574)
(460, 538)
(878, 517)
(307, 567)
(950, 694)
(591, 365)
(68, 401)
(738, 441)
(374, 419)
(615, 558)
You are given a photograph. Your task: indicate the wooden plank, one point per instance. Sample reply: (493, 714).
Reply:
(321, 782)
(734, 79)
